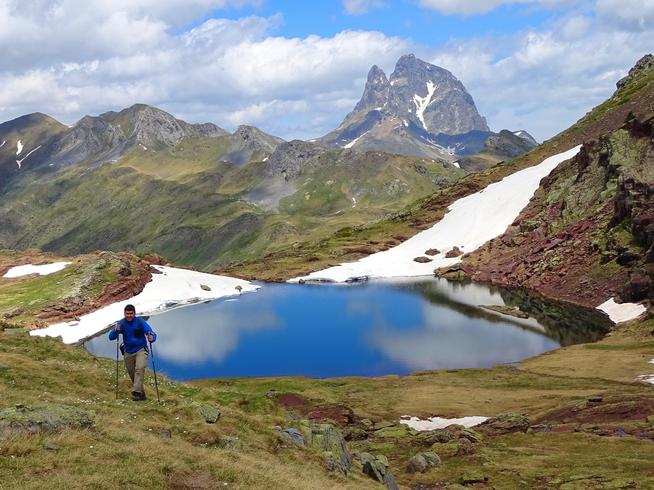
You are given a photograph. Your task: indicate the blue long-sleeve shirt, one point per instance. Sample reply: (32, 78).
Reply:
(134, 333)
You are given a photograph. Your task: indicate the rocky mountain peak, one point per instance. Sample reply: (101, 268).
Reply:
(418, 104)
(642, 66)
(376, 93)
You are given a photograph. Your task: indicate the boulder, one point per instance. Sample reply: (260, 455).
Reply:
(435, 436)
(454, 273)
(504, 424)
(209, 413)
(421, 462)
(422, 260)
(458, 447)
(327, 439)
(377, 468)
(294, 435)
(454, 252)
(432, 251)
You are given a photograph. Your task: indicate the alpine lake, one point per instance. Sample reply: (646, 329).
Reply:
(374, 328)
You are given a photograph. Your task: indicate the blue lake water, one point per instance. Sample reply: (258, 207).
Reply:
(372, 329)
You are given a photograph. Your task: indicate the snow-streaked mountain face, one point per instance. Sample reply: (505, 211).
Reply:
(417, 111)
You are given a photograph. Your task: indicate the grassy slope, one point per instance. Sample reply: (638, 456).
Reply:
(36, 371)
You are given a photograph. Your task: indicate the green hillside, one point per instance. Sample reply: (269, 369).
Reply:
(184, 203)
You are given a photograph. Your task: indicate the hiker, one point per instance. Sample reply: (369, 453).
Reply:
(136, 335)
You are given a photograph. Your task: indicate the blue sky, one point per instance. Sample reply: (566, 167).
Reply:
(404, 18)
(295, 69)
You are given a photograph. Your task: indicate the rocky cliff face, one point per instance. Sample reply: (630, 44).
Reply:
(432, 98)
(289, 157)
(588, 233)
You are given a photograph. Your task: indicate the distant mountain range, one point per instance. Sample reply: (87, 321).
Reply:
(422, 110)
(206, 197)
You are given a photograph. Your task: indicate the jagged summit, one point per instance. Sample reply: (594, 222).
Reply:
(416, 111)
(376, 92)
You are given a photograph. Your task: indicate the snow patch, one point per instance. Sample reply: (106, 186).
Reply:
(42, 270)
(456, 164)
(354, 201)
(20, 162)
(170, 289)
(621, 312)
(351, 143)
(440, 423)
(3, 143)
(19, 147)
(265, 159)
(471, 221)
(422, 102)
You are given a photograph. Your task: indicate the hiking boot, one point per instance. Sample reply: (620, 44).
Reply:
(138, 396)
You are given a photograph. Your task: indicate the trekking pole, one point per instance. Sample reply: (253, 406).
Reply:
(117, 347)
(154, 370)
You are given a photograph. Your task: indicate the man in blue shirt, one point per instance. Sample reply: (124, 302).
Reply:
(136, 335)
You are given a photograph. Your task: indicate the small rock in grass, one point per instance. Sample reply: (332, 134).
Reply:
(421, 462)
(231, 443)
(209, 413)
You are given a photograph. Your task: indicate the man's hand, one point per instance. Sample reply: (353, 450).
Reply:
(117, 326)
(150, 337)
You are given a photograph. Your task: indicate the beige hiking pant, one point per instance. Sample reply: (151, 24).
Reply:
(136, 364)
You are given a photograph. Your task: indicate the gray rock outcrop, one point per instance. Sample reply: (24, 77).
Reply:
(289, 157)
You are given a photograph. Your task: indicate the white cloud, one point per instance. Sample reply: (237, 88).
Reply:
(225, 71)
(358, 7)
(545, 80)
(636, 15)
(471, 7)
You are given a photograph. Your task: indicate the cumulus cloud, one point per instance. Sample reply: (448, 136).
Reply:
(226, 71)
(358, 7)
(634, 15)
(545, 80)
